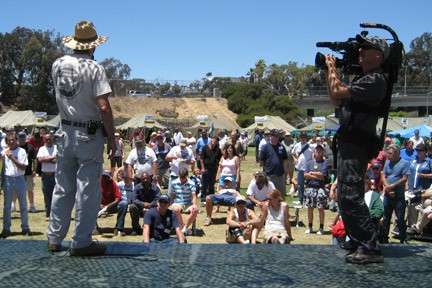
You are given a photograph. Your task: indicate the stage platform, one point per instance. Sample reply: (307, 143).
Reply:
(26, 263)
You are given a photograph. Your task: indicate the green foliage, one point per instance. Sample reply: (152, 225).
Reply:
(398, 114)
(26, 56)
(249, 100)
(418, 65)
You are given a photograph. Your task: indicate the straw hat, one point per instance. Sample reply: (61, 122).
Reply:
(85, 37)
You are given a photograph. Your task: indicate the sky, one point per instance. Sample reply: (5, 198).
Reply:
(172, 40)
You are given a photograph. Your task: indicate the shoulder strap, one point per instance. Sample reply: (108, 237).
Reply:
(304, 149)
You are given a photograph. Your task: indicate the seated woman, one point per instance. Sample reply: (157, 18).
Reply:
(242, 223)
(275, 214)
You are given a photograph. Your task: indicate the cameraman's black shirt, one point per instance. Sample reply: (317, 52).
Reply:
(369, 89)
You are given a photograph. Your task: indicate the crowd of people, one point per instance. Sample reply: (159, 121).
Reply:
(135, 183)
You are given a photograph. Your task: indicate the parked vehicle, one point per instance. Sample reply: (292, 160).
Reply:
(135, 93)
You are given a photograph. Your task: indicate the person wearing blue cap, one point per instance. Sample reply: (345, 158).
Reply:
(360, 102)
(158, 223)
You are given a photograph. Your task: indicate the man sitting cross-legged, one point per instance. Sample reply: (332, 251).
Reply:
(183, 198)
(226, 196)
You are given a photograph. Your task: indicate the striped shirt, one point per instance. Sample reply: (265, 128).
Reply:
(183, 192)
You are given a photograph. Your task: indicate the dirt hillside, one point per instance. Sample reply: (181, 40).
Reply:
(186, 108)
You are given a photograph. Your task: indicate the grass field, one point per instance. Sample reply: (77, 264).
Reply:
(211, 234)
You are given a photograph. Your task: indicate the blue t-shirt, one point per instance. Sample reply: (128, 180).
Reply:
(394, 172)
(314, 166)
(183, 192)
(160, 225)
(408, 155)
(273, 156)
(201, 143)
(416, 182)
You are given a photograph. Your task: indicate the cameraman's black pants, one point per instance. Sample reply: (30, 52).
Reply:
(352, 163)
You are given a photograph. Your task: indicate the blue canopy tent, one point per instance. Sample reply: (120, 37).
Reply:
(332, 128)
(424, 131)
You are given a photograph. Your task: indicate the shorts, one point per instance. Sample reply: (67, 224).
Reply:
(282, 234)
(184, 207)
(116, 160)
(223, 199)
(289, 165)
(29, 180)
(315, 198)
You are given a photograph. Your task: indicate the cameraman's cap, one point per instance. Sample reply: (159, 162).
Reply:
(228, 179)
(377, 42)
(21, 134)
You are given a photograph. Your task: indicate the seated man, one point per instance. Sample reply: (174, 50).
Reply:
(275, 214)
(226, 196)
(257, 190)
(242, 223)
(158, 223)
(112, 202)
(144, 197)
(183, 199)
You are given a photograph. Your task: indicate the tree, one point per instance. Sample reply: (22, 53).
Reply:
(419, 61)
(116, 72)
(259, 70)
(26, 56)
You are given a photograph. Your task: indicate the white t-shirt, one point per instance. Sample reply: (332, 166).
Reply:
(183, 155)
(45, 151)
(10, 168)
(416, 142)
(263, 142)
(258, 194)
(191, 142)
(142, 161)
(304, 157)
(229, 191)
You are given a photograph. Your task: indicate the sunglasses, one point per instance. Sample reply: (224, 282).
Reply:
(366, 47)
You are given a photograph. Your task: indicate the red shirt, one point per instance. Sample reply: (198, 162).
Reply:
(110, 192)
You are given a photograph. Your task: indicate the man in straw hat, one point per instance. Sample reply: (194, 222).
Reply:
(82, 91)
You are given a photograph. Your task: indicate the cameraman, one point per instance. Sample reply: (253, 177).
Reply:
(360, 102)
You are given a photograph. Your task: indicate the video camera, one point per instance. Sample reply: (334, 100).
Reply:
(350, 53)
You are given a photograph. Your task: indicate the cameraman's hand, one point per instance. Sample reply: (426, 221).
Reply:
(330, 61)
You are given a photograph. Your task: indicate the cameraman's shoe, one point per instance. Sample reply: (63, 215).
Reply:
(364, 258)
(94, 249)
